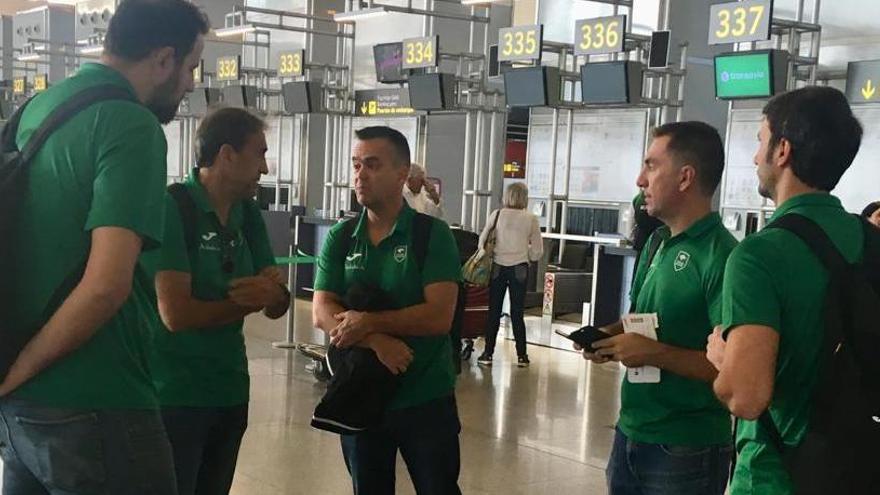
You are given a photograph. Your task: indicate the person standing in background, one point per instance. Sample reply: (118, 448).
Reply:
(420, 194)
(517, 242)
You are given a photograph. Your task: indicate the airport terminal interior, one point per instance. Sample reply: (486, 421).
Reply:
(560, 95)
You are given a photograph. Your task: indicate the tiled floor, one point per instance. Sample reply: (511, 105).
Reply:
(541, 430)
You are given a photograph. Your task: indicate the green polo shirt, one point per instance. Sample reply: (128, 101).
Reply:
(392, 267)
(774, 280)
(683, 286)
(206, 367)
(103, 168)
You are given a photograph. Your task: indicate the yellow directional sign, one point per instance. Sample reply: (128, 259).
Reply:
(382, 102)
(862, 81)
(869, 90)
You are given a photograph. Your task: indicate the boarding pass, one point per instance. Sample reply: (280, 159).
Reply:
(644, 324)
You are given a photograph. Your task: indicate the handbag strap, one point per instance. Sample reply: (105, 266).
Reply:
(491, 233)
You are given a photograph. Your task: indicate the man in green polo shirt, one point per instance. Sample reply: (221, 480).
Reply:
(79, 411)
(205, 290)
(768, 346)
(413, 341)
(673, 436)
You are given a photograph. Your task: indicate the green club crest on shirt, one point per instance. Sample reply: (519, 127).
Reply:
(400, 254)
(681, 261)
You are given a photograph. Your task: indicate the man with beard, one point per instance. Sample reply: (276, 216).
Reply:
(79, 411)
(769, 347)
(215, 267)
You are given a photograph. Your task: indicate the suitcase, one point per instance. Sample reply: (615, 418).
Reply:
(476, 314)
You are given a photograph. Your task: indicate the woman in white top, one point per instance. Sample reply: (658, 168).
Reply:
(517, 242)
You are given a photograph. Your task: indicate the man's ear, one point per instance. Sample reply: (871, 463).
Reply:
(687, 178)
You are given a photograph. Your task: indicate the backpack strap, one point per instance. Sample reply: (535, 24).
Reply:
(66, 110)
(421, 232)
(653, 247)
(186, 206)
(814, 237)
(348, 228)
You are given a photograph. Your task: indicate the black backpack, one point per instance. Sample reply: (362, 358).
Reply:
(838, 453)
(13, 184)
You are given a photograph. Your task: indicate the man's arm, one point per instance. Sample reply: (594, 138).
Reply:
(103, 289)
(179, 310)
(433, 317)
(325, 305)
(635, 350)
(748, 369)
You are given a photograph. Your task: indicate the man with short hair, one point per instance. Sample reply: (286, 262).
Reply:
(422, 419)
(420, 194)
(673, 437)
(79, 411)
(215, 267)
(768, 347)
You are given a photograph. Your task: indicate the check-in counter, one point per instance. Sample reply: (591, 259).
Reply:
(313, 232)
(601, 296)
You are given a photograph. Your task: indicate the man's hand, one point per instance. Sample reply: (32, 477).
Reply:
(715, 347)
(591, 356)
(275, 274)
(432, 192)
(631, 349)
(392, 352)
(255, 292)
(353, 326)
(10, 383)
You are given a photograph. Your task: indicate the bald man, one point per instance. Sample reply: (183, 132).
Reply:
(421, 194)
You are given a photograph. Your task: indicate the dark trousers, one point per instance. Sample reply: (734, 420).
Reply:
(60, 451)
(427, 437)
(637, 468)
(205, 443)
(504, 278)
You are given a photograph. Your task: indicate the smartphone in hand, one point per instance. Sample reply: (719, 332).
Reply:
(584, 336)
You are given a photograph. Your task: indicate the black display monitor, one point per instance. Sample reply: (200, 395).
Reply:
(388, 58)
(301, 96)
(532, 86)
(240, 96)
(431, 91)
(611, 82)
(203, 99)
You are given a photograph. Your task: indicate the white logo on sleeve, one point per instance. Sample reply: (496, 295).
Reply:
(681, 260)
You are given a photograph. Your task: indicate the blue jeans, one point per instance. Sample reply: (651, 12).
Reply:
(650, 469)
(427, 437)
(56, 451)
(205, 443)
(504, 278)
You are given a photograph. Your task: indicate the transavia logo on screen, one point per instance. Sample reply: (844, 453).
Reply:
(743, 76)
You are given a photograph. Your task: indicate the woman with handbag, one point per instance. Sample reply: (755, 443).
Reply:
(514, 238)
